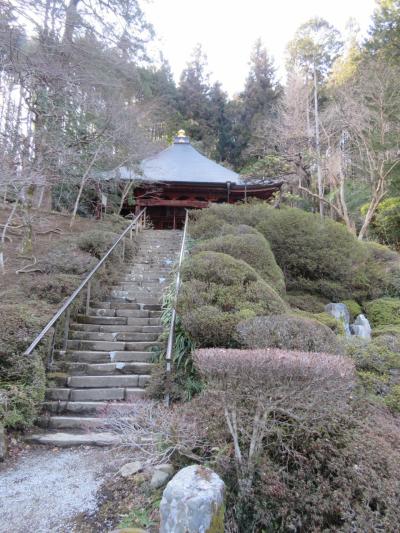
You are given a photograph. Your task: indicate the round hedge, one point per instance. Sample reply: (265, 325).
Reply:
(287, 332)
(254, 249)
(383, 311)
(217, 284)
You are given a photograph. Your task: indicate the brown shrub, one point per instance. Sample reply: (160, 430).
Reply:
(287, 332)
(295, 447)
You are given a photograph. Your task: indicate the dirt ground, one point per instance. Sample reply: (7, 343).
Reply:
(48, 227)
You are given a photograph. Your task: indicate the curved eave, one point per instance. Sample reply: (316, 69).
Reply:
(233, 186)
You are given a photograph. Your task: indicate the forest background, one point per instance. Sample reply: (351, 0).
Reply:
(79, 96)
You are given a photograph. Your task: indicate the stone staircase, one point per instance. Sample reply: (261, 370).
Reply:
(109, 352)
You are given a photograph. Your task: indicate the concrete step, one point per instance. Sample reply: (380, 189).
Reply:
(102, 369)
(65, 440)
(102, 382)
(77, 356)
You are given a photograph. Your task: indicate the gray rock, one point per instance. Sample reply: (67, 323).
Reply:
(361, 327)
(129, 469)
(161, 475)
(340, 312)
(3, 443)
(193, 502)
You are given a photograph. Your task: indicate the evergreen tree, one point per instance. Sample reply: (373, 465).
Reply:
(261, 89)
(193, 95)
(384, 34)
(220, 123)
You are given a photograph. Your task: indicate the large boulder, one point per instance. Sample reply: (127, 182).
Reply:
(193, 502)
(340, 312)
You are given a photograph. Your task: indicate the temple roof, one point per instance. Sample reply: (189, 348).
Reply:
(180, 162)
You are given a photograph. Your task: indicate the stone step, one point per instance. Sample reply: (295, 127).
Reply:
(107, 394)
(102, 382)
(79, 407)
(132, 296)
(58, 394)
(72, 422)
(102, 369)
(109, 336)
(90, 357)
(96, 346)
(117, 329)
(124, 305)
(132, 313)
(104, 320)
(64, 440)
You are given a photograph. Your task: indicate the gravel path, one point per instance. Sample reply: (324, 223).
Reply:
(45, 488)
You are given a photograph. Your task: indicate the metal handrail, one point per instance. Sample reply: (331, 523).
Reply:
(171, 335)
(87, 281)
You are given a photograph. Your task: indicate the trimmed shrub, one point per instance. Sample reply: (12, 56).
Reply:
(287, 433)
(375, 356)
(217, 283)
(392, 400)
(211, 327)
(65, 258)
(354, 308)
(324, 318)
(305, 301)
(316, 256)
(386, 330)
(383, 311)
(251, 248)
(98, 242)
(287, 332)
(52, 288)
(22, 379)
(310, 247)
(391, 342)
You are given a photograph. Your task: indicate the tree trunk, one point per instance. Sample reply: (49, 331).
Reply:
(83, 181)
(318, 145)
(3, 237)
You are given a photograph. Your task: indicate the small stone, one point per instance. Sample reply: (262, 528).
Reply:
(3, 443)
(161, 475)
(129, 469)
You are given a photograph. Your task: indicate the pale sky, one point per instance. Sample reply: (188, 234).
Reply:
(227, 30)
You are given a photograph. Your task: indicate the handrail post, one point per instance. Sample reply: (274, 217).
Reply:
(88, 294)
(123, 250)
(66, 328)
(170, 343)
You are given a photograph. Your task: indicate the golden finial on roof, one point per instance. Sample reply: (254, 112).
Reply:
(181, 133)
